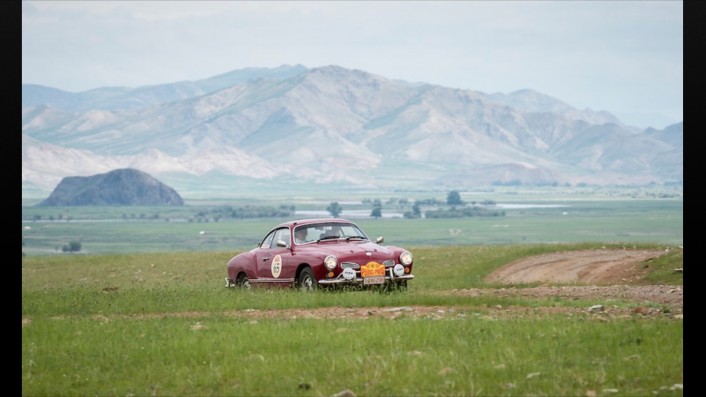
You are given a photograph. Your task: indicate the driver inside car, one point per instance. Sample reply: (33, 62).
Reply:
(300, 235)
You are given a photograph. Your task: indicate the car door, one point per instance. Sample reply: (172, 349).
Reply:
(271, 259)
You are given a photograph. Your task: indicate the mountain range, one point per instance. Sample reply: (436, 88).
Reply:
(332, 125)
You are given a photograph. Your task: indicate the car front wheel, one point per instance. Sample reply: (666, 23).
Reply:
(243, 281)
(306, 280)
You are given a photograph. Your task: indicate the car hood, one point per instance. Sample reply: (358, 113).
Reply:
(343, 249)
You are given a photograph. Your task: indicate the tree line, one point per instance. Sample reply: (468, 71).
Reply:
(453, 201)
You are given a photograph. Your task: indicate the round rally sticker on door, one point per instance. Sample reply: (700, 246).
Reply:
(276, 266)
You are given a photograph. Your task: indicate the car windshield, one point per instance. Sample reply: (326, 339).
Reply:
(327, 231)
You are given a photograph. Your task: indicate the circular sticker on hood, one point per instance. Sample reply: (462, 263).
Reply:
(276, 266)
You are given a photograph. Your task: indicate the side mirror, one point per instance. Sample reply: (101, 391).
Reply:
(281, 243)
(380, 239)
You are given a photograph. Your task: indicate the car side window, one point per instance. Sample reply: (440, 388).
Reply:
(281, 234)
(267, 241)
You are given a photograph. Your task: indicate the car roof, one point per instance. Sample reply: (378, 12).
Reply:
(311, 221)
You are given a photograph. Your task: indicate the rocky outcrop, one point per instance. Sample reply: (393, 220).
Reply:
(119, 187)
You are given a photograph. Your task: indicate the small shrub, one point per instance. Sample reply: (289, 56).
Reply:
(72, 246)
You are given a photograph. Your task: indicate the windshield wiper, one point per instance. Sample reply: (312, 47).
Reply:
(357, 237)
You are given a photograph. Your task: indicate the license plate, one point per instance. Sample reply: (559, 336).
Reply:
(373, 280)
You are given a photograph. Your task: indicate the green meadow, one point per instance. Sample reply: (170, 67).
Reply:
(194, 227)
(163, 324)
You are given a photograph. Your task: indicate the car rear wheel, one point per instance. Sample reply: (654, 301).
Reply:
(306, 280)
(243, 281)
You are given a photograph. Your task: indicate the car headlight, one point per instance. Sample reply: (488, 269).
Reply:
(398, 270)
(330, 262)
(406, 258)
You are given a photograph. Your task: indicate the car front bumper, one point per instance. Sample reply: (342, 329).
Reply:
(359, 280)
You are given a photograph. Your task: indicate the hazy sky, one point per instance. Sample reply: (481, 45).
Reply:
(625, 57)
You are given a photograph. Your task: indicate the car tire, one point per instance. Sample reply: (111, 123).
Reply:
(391, 286)
(306, 281)
(243, 281)
(402, 285)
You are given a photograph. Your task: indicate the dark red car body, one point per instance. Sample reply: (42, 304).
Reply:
(282, 260)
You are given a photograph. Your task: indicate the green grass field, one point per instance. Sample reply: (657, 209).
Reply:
(131, 230)
(163, 324)
(142, 309)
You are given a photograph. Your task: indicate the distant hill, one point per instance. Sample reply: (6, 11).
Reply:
(119, 187)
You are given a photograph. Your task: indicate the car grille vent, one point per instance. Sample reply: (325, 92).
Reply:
(352, 265)
(389, 263)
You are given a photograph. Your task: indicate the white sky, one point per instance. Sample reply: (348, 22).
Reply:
(625, 57)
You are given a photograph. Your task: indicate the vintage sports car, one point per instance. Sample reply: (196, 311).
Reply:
(314, 253)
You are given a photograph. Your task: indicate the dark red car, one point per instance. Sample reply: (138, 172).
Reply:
(313, 253)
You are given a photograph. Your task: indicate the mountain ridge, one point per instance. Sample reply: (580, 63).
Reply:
(332, 124)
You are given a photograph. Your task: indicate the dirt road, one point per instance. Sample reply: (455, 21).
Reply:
(600, 267)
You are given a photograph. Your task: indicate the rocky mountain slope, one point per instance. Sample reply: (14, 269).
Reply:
(334, 125)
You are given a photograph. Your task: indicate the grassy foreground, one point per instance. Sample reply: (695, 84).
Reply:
(162, 324)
